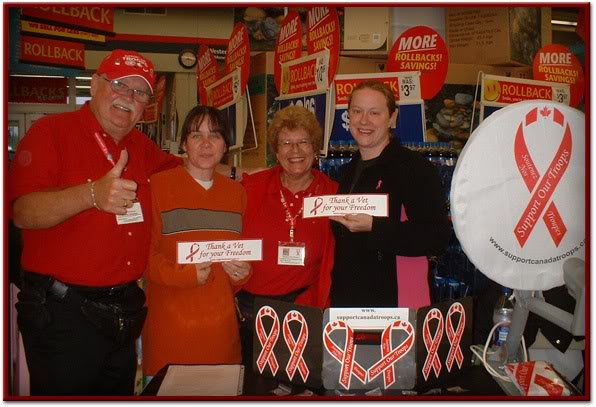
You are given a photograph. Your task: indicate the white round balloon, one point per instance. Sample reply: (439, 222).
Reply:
(518, 194)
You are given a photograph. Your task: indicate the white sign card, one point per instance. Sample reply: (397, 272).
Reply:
(338, 205)
(219, 250)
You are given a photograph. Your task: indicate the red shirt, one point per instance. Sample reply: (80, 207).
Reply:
(265, 218)
(60, 151)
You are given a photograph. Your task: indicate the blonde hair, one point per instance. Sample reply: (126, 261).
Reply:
(292, 118)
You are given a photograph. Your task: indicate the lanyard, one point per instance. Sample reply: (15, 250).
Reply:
(289, 217)
(103, 148)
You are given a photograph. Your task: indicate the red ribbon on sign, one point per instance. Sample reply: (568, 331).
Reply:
(345, 356)
(391, 355)
(455, 335)
(317, 205)
(266, 356)
(543, 187)
(193, 251)
(431, 343)
(296, 347)
(552, 388)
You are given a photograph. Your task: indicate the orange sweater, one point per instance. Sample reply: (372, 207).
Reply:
(189, 323)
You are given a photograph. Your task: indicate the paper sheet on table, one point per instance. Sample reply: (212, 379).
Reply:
(202, 380)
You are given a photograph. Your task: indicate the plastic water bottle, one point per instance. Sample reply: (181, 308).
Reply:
(502, 313)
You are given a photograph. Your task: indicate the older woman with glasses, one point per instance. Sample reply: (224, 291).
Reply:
(274, 214)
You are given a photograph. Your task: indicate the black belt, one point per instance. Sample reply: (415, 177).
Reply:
(60, 289)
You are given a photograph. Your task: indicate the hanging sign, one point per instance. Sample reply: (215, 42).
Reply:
(556, 63)
(289, 44)
(224, 91)
(323, 34)
(421, 49)
(518, 194)
(306, 74)
(153, 108)
(238, 54)
(52, 52)
(207, 70)
(98, 20)
(37, 90)
(47, 30)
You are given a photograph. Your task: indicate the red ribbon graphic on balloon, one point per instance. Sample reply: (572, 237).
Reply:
(266, 356)
(540, 186)
(297, 346)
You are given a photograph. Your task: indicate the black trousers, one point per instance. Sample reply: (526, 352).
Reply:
(66, 355)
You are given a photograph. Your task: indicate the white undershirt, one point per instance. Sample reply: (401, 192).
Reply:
(205, 184)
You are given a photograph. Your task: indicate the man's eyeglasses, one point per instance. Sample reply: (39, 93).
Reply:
(302, 144)
(123, 89)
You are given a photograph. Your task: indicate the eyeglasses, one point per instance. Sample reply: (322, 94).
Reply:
(122, 88)
(302, 144)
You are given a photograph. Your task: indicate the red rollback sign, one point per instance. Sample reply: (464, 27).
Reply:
(323, 33)
(421, 49)
(207, 72)
(37, 90)
(288, 45)
(556, 63)
(98, 20)
(52, 52)
(238, 54)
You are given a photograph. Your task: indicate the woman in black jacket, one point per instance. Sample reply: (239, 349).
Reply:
(364, 274)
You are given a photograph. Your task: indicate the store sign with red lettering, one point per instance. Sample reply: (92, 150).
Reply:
(52, 52)
(207, 70)
(421, 49)
(305, 74)
(225, 91)
(289, 44)
(48, 30)
(238, 54)
(323, 34)
(500, 90)
(98, 20)
(556, 63)
(405, 85)
(37, 90)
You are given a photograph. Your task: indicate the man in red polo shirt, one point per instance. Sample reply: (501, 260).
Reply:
(79, 186)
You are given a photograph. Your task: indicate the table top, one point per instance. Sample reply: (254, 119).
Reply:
(475, 382)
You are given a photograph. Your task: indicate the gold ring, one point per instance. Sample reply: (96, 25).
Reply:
(125, 203)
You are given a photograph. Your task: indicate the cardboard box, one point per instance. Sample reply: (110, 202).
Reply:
(366, 28)
(496, 35)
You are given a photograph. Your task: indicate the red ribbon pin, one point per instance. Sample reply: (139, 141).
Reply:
(431, 343)
(345, 356)
(542, 187)
(266, 356)
(391, 355)
(296, 347)
(455, 335)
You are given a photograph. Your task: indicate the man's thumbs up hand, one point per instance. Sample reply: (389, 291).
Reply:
(112, 193)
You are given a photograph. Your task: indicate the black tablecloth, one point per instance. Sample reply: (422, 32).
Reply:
(476, 382)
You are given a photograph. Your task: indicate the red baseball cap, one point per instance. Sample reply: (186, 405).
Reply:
(122, 64)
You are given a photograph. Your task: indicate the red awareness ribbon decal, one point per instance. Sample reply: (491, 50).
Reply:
(389, 354)
(318, 203)
(431, 343)
(267, 341)
(454, 335)
(345, 356)
(296, 347)
(542, 187)
(193, 251)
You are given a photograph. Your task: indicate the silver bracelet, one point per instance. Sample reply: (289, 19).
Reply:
(93, 196)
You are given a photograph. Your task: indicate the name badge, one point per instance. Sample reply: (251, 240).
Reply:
(219, 250)
(339, 205)
(132, 215)
(291, 253)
